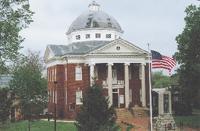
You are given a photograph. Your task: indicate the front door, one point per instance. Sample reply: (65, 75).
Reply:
(115, 98)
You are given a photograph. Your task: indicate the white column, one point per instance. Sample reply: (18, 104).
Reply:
(109, 81)
(126, 80)
(170, 102)
(143, 85)
(91, 73)
(160, 104)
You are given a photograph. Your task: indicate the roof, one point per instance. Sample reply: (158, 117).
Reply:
(77, 48)
(94, 20)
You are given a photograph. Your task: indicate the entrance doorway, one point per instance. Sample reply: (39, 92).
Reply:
(115, 98)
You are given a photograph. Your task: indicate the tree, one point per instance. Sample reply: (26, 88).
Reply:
(5, 104)
(95, 113)
(15, 15)
(160, 81)
(29, 86)
(188, 56)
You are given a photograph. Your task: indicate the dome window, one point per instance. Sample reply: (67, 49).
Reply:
(95, 24)
(78, 37)
(108, 35)
(109, 24)
(98, 35)
(87, 36)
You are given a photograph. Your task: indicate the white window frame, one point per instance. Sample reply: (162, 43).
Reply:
(78, 73)
(79, 97)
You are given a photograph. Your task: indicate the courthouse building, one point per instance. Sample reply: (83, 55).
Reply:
(96, 50)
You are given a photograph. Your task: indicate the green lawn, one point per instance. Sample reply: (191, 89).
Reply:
(38, 126)
(188, 121)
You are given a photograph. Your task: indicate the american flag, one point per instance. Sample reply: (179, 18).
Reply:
(161, 61)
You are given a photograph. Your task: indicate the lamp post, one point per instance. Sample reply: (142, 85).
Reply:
(55, 86)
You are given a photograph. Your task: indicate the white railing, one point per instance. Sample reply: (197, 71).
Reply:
(118, 84)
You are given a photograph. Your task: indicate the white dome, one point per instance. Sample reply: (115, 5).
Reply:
(94, 19)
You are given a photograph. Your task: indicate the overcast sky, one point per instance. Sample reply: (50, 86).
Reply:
(157, 22)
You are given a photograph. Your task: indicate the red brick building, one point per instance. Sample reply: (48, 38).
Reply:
(96, 50)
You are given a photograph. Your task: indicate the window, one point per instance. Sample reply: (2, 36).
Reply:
(65, 73)
(72, 106)
(49, 98)
(78, 71)
(87, 36)
(78, 37)
(109, 24)
(98, 35)
(56, 97)
(96, 72)
(66, 96)
(55, 74)
(130, 73)
(108, 35)
(130, 95)
(53, 101)
(48, 74)
(78, 97)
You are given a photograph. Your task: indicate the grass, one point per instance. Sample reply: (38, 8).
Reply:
(38, 126)
(42, 126)
(188, 121)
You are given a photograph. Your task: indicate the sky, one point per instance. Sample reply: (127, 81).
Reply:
(156, 22)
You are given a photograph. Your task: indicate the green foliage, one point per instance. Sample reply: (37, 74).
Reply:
(28, 85)
(188, 56)
(14, 16)
(95, 113)
(5, 104)
(160, 81)
(188, 121)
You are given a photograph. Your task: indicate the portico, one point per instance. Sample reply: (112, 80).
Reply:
(117, 79)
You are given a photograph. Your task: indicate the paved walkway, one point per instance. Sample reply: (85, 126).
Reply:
(67, 121)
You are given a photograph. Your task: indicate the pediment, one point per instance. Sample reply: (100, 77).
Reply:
(119, 46)
(48, 54)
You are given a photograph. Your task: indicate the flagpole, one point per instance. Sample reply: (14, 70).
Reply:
(150, 90)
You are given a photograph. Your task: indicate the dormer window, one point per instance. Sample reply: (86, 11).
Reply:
(78, 37)
(98, 35)
(87, 36)
(108, 35)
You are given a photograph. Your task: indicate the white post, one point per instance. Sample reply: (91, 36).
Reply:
(143, 85)
(126, 77)
(91, 73)
(110, 83)
(170, 102)
(160, 104)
